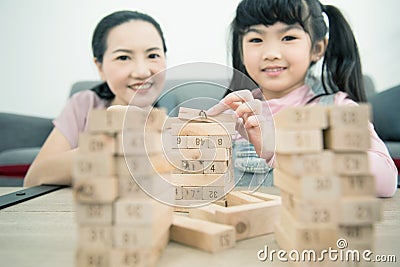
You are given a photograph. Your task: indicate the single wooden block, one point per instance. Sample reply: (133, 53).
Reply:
(358, 185)
(200, 115)
(208, 236)
(350, 116)
(215, 154)
(95, 190)
(357, 234)
(178, 193)
(322, 211)
(200, 179)
(139, 211)
(87, 165)
(197, 141)
(204, 129)
(192, 193)
(347, 139)
(139, 143)
(92, 257)
(308, 186)
(139, 257)
(190, 166)
(300, 141)
(314, 163)
(263, 196)
(128, 188)
(223, 141)
(213, 192)
(95, 236)
(217, 167)
(352, 163)
(305, 117)
(99, 214)
(235, 198)
(360, 210)
(206, 213)
(101, 121)
(128, 236)
(98, 143)
(142, 166)
(304, 235)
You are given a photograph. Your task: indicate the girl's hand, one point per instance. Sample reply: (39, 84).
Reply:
(254, 123)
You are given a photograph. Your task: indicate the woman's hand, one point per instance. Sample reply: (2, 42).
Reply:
(254, 123)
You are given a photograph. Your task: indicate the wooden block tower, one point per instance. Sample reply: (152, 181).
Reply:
(322, 170)
(119, 223)
(201, 152)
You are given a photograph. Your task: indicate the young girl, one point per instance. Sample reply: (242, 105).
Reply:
(128, 49)
(274, 43)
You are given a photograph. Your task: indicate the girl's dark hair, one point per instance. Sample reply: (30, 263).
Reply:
(341, 68)
(100, 35)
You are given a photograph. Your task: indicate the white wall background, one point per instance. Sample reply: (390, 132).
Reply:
(45, 45)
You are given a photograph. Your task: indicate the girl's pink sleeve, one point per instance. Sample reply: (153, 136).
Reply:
(381, 163)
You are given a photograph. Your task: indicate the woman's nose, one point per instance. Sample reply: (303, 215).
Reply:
(141, 70)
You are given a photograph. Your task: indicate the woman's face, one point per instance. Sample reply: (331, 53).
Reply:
(133, 56)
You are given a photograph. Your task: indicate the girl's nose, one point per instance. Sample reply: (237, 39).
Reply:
(272, 52)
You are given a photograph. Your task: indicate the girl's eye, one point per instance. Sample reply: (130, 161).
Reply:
(289, 38)
(255, 40)
(123, 58)
(152, 56)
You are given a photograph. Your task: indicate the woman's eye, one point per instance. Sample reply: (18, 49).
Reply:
(288, 38)
(123, 58)
(154, 56)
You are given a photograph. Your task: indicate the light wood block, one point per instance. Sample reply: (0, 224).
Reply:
(352, 163)
(190, 167)
(208, 236)
(197, 142)
(358, 185)
(95, 190)
(192, 193)
(203, 129)
(198, 115)
(87, 165)
(143, 166)
(206, 213)
(347, 139)
(139, 143)
(359, 210)
(179, 141)
(314, 163)
(128, 236)
(235, 198)
(99, 214)
(89, 257)
(139, 211)
(96, 143)
(223, 141)
(300, 141)
(215, 154)
(95, 236)
(305, 117)
(217, 167)
(264, 196)
(357, 234)
(139, 257)
(350, 116)
(213, 192)
(308, 186)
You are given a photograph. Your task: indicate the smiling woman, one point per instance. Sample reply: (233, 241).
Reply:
(128, 49)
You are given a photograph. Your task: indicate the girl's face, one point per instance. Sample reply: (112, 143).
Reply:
(277, 57)
(134, 54)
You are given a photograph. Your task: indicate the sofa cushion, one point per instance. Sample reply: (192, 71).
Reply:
(16, 162)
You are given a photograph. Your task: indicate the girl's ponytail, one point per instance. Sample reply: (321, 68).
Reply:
(342, 65)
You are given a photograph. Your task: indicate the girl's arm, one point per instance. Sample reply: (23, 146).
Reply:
(53, 163)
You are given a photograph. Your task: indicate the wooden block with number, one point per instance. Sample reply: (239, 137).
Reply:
(347, 139)
(359, 210)
(99, 190)
(205, 235)
(312, 163)
(100, 214)
(357, 234)
(139, 211)
(96, 143)
(139, 257)
(298, 141)
(88, 165)
(191, 114)
(350, 116)
(203, 129)
(138, 143)
(351, 163)
(357, 185)
(142, 166)
(95, 236)
(308, 186)
(308, 117)
(92, 257)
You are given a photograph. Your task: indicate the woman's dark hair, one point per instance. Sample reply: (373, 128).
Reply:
(341, 68)
(100, 35)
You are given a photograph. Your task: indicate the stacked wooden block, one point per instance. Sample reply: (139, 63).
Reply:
(202, 155)
(328, 192)
(119, 223)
